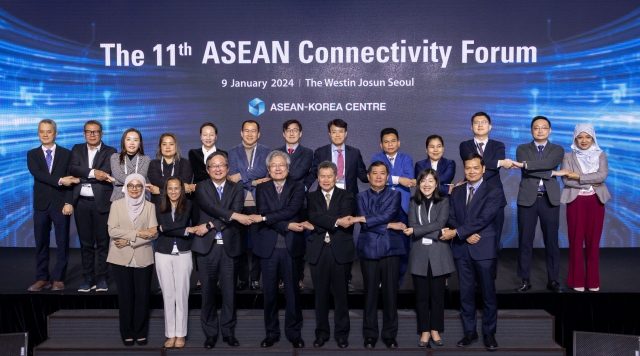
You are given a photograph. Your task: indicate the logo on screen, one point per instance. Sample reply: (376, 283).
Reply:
(256, 107)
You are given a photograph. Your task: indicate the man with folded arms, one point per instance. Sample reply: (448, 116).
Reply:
(330, 251)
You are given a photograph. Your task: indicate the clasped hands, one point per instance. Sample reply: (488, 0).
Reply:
(569, 174)
(448, 234)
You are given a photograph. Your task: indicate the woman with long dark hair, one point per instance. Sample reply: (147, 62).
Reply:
(131, 159)
(168, 163)
(173, 260)
(430, 260)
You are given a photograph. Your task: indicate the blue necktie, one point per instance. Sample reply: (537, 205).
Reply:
(218, 234)
(541, 188)
(49, 159)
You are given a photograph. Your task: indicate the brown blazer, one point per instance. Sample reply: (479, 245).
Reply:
(120, 227)
(572, 187)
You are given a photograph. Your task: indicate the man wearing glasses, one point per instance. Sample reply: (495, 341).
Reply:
(539, 198)
(247, 166)
(90, 162)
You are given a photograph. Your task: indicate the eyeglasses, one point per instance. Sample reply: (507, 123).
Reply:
(540, 128)
(92, 132)
(478, 123)
(277, 165)
(134, 186)
(295, 131)
(247, 131)
(217, 166)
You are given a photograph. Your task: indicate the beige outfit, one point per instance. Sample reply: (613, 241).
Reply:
(121, 227)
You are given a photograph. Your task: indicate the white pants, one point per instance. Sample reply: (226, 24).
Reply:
(174, 272)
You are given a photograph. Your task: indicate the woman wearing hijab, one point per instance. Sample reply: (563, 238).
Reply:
(173, 260)
(132, 228)
(430, 261)
(583, 172)
(131, 159)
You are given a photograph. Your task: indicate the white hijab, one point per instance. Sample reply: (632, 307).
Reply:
(589, 159)
(134, 205)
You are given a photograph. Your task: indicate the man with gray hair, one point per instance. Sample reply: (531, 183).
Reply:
(280, 245)
(330, 252)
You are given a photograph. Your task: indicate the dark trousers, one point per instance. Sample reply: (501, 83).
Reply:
(585, 218)
(328, 277)
(281, 264)
(246, 271)
(549, 223)
(429, 301)
(374, 272)
(471, 271)
(218, 265)
(42, 220)
(94, 238)
(134, 289)
(498, 226)
(403, 260)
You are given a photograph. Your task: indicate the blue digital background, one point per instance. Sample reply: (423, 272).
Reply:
(55, 69)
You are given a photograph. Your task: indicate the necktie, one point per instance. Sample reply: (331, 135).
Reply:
(219, 234)
(340, 165)
(391, 159)
(327, 197)
(541, 188)
(220, 192)
(480, 150)
(470, 196)
(290, 151)
(279, 189)
(49, 159)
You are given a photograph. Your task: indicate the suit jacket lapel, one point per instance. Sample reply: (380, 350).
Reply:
(478, 195)
(284, 193)
(42, 161)
(348, 161)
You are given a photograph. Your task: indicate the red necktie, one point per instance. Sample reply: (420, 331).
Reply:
(480, 150)
(340, 164)
(290, 151)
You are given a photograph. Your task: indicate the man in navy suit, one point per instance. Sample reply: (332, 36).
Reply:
(347, 158)
(379, 247)
(91, 163)
(401, 178)
(52, 198)
(301, 160)
(280, 244)
(473, 207)
(493, 154)
(247, 167)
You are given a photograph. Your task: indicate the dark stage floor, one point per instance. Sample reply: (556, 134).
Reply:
(618, 270)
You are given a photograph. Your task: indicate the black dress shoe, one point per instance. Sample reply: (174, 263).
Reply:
(468, 339)
(255, 285)
(128, 342)
(342, 343)
(369, 342)
(554, 286)
(268, 342)
(490, 343)
(319, 342)
(210, 343)
(437, 342)
(390, 343)
(242, 285)
(524, 286)
(231, 340)
(297, 343)
(141, 342)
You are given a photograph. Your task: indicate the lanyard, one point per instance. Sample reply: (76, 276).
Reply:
(173, 167)
(137, 160)
(253, 158)
(428, 215)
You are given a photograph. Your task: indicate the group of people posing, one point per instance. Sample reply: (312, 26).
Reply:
(132, 211)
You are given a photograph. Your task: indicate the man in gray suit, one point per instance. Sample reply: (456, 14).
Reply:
(539, 198)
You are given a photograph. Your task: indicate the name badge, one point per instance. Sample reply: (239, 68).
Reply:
(175, 249)
(426, 241)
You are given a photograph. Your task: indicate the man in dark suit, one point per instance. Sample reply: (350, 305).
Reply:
(52, 198)
(473, 208)
(247, 167)
(301, 160)
(91, 163)
(380, 246)
(493, 154)
(330, 251)
(219, 244)
(347, 158)
(280, 244)
(539, 198)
